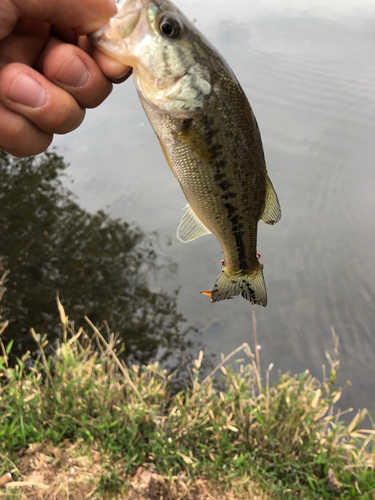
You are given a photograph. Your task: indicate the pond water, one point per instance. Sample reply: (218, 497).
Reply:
(308, 69)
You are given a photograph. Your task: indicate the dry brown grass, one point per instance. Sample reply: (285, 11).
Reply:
(73, 471)
(246, 438)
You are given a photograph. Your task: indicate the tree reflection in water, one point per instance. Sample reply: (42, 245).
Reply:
(98, 265)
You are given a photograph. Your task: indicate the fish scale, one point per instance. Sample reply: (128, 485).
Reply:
(208, 134)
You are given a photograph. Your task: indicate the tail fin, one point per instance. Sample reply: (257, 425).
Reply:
(252, 288)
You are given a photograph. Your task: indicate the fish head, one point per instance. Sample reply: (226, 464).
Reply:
(166, 52)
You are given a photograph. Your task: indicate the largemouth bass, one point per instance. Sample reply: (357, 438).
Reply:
(208, 134)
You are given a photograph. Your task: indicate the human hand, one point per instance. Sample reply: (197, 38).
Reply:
(49, 71)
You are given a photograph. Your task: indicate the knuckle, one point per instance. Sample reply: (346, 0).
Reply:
(25, 147)
(68, 119)
(21, 138)
(98, 95)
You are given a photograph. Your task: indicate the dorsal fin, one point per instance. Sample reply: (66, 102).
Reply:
(190, 227)
(272, 211)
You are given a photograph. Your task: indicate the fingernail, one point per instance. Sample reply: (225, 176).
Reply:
(74, 73)
(27, 91)
(123, 77)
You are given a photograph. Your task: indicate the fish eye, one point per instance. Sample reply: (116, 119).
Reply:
(170, 27)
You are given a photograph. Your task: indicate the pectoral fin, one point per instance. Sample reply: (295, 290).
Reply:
(190, 227)
(272, 211)
(198, 145)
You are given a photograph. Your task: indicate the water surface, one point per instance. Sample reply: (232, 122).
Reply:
(308, 69)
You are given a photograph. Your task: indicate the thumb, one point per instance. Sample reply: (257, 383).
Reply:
(82, 16)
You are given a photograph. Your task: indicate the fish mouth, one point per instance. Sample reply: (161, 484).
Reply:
(114, 36)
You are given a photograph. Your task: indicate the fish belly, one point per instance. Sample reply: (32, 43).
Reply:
(218, 160)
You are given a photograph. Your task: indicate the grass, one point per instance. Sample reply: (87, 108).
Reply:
(240, 437)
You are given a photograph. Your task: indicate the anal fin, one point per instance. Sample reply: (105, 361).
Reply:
(190, 227)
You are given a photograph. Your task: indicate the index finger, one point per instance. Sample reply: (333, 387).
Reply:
(82, 16)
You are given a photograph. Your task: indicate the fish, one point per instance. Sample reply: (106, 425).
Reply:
(207, 132)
